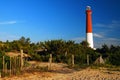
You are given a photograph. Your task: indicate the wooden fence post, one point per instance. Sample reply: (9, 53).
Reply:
(50, 62)
(19, 62)
(6, 68)
(3, 69)
(15, 65)
(72, 60)
(87, 59)
(21, 57)
(10, 66)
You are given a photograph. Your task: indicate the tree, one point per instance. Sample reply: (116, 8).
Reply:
(114, 56)
(84, 44)
(104, 51)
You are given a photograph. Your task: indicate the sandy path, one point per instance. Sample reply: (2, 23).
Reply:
(60, 72)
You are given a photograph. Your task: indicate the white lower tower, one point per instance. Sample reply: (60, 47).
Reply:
(89, 38)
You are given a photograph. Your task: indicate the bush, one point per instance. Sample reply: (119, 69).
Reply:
(114, 58)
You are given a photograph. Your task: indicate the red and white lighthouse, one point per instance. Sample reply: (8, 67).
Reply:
(89, 34)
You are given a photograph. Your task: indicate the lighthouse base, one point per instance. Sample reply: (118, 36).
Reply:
(89, 38)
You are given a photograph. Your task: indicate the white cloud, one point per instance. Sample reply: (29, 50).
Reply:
(115, 21)
(6, 36)
(100, 40)
(112, 39)
(112, 24)
(78, 39)
(100, 25)
(97, 35)
(8, 22)
(106, 30)
(105, 40)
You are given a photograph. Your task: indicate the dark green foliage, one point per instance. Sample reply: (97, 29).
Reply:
(111, 54)
(104, 51)
(36, 57)
(61, 51)
(2, 53)
(115, 58)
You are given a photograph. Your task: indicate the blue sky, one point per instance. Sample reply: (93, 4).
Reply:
(42, 20)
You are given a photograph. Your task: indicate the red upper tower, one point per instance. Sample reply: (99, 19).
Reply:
(88, 20)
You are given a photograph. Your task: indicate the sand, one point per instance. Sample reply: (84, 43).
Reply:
(61, 72)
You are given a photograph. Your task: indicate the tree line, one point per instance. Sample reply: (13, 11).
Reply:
(62, 51)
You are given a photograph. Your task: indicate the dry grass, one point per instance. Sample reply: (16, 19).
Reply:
(16, 53)
(62, 72)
